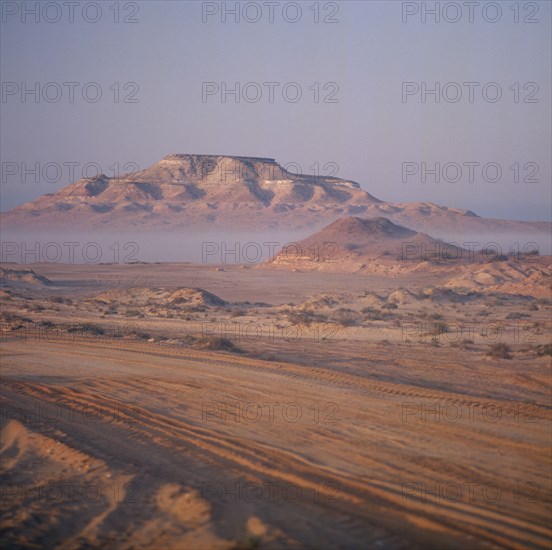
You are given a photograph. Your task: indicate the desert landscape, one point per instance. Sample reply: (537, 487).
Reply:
(368, 386)
(275, 275)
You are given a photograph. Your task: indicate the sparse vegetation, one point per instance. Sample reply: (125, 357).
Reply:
(345, 317)
(500, 350)
(132, 313)
(216, 343)
(88, 328)
(517, 315)
(544, 349)
(303, 317)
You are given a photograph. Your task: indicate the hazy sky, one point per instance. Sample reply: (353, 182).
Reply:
(360, 61)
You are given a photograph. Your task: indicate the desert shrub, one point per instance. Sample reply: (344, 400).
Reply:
(238, 313)
(303, 317)
(132, 313)
(345, 317)
(436, 316)
(56, 299)
(216, 344)
(463, 344)
(500, 350)
(441, 328)
(544, 349)
(250, 542)
(372, 314)
(389, 305)
(345, 320)
(533, 307)
(516, 315)
(9, 317)
(88, 328)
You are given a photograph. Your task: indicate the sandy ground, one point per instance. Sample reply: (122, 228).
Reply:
(373, 430)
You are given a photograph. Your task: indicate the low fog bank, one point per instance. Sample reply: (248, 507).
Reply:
(213, 247)
(507, 243)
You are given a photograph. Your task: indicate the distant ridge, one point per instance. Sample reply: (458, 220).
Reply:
(242, 192)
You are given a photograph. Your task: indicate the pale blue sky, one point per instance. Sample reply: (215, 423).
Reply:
(369, 132)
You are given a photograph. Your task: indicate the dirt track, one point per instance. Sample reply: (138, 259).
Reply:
(359, 466)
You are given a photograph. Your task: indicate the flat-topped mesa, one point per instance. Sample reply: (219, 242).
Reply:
(229, 168)
(183, 190)
(188, 156)
(213, 169)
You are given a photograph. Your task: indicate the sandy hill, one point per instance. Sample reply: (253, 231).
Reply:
(185, 297)
(184, 190)
(351, 242)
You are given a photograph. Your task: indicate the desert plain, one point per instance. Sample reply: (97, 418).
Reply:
(158, 405)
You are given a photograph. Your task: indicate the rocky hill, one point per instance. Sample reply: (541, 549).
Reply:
(353, 241)
(212, 191)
